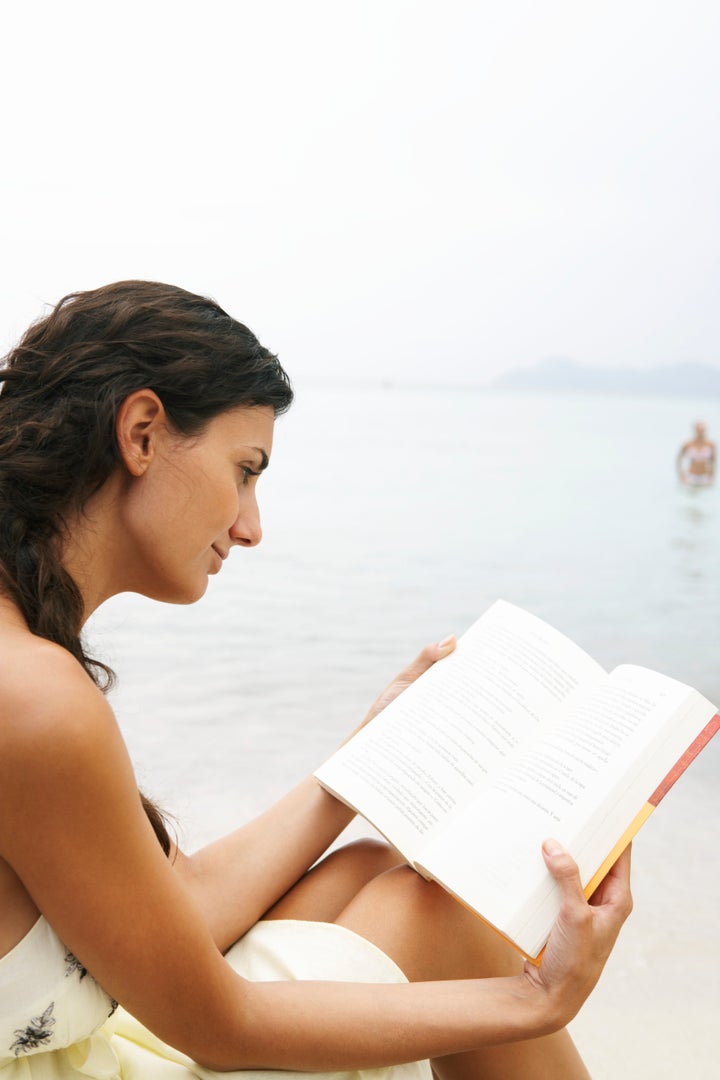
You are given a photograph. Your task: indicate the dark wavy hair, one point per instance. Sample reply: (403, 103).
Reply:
(62, 387)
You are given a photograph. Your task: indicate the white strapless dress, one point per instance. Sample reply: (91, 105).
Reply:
(57, 1023)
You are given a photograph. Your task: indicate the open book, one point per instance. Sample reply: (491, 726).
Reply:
(519, 735)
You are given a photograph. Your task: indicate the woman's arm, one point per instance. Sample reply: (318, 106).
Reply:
(72, 827)
(680, 458)
(368, 1026)
(237, 879)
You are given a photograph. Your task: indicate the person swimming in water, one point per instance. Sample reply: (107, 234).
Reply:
(696, 459)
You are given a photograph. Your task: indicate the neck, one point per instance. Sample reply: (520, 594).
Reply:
(89, 550)
(11, 614)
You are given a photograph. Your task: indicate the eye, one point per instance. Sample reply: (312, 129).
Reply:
(246, 472)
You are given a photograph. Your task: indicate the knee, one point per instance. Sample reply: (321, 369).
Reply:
(426, 931)
(398, 893)
(417, 897)
(368, 857)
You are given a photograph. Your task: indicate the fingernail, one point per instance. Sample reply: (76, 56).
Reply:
(445, 641)
(553, 847)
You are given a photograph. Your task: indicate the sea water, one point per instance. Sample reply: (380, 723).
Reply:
(394, 515)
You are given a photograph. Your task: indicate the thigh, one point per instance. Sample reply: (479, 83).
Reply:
(431, 936)
(554, 1057)
(425, 931)
(326, 890)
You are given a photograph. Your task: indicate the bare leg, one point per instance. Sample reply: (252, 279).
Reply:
(365, 887)
(327, 889)
(431, 936)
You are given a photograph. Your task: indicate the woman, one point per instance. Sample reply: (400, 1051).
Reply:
(135, 422)
(695, 461)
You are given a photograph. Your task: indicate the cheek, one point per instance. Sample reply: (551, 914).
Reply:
(225, 508)
(171, 516)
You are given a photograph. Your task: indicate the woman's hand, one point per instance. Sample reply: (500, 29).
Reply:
(584, 932)
(424, 660)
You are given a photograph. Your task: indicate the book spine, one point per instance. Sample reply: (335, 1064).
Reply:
(634, 827)
(698, 744)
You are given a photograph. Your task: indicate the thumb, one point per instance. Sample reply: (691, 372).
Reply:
(432, 653)
(563, 869)
(429, 656)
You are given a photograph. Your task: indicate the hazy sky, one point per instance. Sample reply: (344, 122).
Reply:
(431, 190)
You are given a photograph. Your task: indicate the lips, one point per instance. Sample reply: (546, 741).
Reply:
(220, 555)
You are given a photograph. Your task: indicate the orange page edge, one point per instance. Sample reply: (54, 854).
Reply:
(698, 744)
(701, 741)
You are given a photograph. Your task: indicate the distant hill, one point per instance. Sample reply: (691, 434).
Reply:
(561, 374)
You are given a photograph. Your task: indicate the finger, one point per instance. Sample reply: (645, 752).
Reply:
(429, 656)
(615, 886)
(424, 660)
(621, 867)
(565, 872)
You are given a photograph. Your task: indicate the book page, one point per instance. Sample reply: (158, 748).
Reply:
(423, 757)
(582, 779)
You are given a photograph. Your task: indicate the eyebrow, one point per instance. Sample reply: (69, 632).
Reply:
(264, 459)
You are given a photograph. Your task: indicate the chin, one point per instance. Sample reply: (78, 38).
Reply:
(174, 593)
(190, 597)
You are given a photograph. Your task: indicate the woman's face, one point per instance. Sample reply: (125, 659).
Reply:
(196, 501)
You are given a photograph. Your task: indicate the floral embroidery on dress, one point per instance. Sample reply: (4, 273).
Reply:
(73, 964)
(37, 1033)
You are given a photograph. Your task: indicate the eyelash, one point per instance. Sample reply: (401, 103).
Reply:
(247, 472)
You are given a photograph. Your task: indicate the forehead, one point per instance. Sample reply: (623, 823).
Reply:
(246, 427)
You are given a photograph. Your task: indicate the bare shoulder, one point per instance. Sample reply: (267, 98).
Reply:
(74, 833)
(45, 694)
(54, 724)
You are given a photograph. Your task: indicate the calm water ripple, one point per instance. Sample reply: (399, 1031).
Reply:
(392, 517)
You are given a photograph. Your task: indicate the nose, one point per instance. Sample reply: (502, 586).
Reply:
(246, 529)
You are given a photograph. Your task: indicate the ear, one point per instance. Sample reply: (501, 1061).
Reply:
(140, 421)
